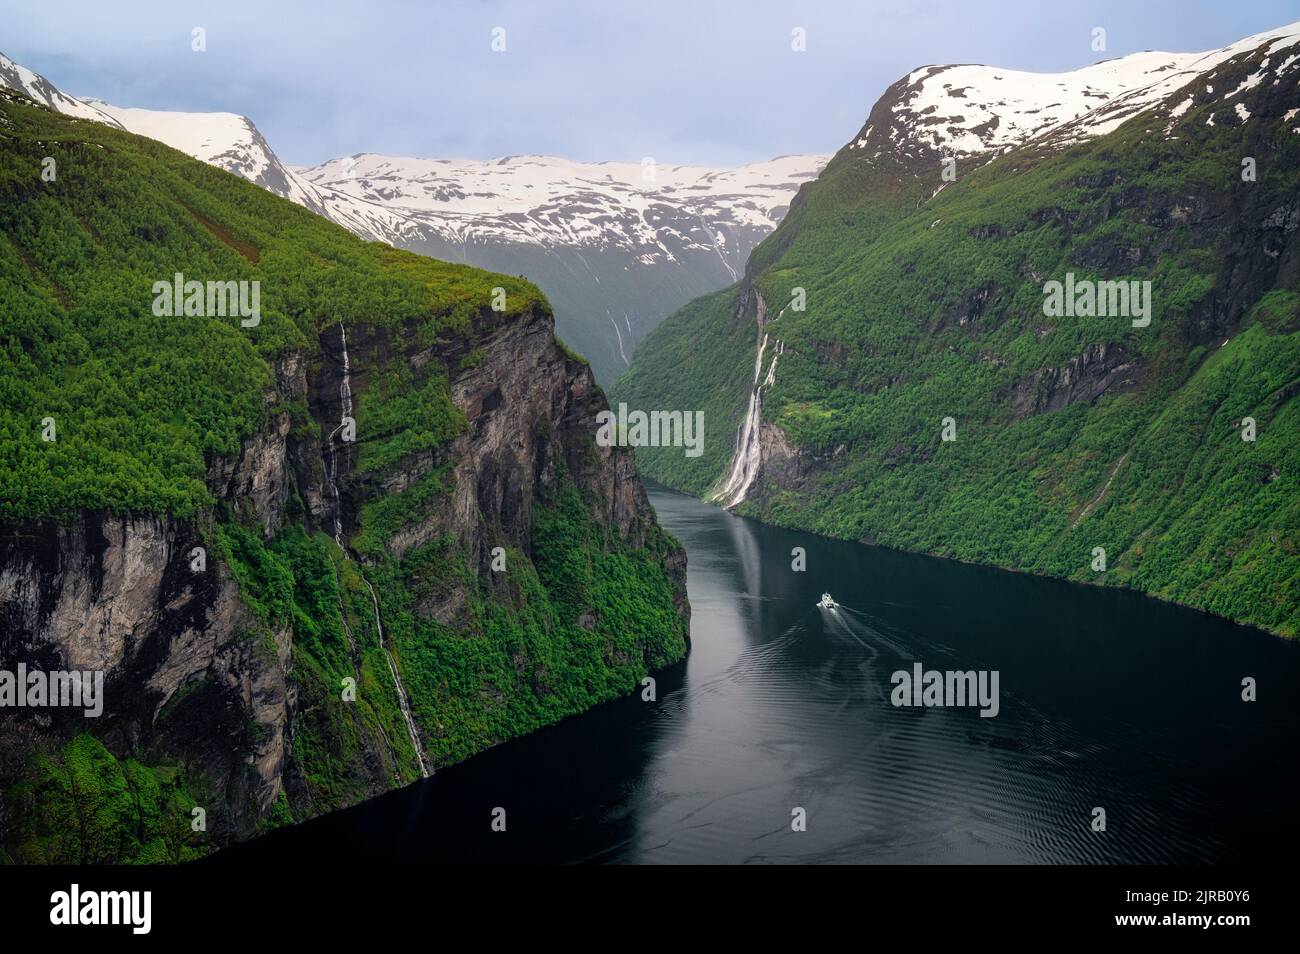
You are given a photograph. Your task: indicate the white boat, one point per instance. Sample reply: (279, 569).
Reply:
(827, 602)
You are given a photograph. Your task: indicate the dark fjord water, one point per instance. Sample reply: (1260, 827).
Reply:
(1108, 699)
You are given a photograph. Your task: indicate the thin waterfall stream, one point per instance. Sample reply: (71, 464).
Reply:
(331, 478)
(397, 681)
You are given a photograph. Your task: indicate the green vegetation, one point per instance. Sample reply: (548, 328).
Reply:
(83, 806)
(922, 307)
(306, 583)
(139, 400)
(580, 625)
(144, 405)
(668, 369)
(506, 665)
(408, 417)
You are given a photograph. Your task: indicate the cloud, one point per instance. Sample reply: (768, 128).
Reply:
(681, 80)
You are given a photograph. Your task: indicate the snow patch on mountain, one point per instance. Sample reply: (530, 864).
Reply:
(969, 110)
(225, 140)
(1199, 69)
(17, 77)
(652, 211)
(231, 142)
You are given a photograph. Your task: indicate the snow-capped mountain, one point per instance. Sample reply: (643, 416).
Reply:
(958, 111)
(225, 140)
(231, 142)
(654, 212)
(615, 246)
(35, 86)
(980, 114)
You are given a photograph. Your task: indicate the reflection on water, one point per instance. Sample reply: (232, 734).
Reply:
(1107, 700)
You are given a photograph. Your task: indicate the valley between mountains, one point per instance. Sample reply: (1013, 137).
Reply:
(371, 533)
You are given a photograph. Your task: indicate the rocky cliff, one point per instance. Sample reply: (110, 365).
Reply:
(336, 616)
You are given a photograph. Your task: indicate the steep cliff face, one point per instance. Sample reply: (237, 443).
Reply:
(337, 616)
(529, 409)
(928, 398)
(117, 595)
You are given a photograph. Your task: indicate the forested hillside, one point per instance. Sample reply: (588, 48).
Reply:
(925, 301)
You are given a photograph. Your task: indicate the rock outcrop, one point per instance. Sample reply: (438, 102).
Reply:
(120, 593)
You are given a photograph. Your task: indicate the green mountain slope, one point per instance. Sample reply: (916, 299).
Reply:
(925, 301)
(516, 568)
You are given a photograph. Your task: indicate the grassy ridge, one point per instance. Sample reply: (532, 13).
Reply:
(139, 400)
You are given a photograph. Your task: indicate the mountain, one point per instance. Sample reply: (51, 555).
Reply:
(614, 246)
(908, 297)
(225, 140)
(233, 143)
(20, 79)
(982, 111)
(323, 521)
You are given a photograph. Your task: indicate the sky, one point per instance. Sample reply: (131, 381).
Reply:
(711, 82)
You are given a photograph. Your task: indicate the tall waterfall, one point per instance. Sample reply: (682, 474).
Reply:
(747, 457)
(331, 479)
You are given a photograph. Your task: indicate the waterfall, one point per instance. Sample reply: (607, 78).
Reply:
(714, 239)
(621, 353)
(397, 681)
(331, 478)
(747, 457)
(332, 471)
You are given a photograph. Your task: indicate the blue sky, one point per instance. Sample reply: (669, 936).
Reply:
(681, 80)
